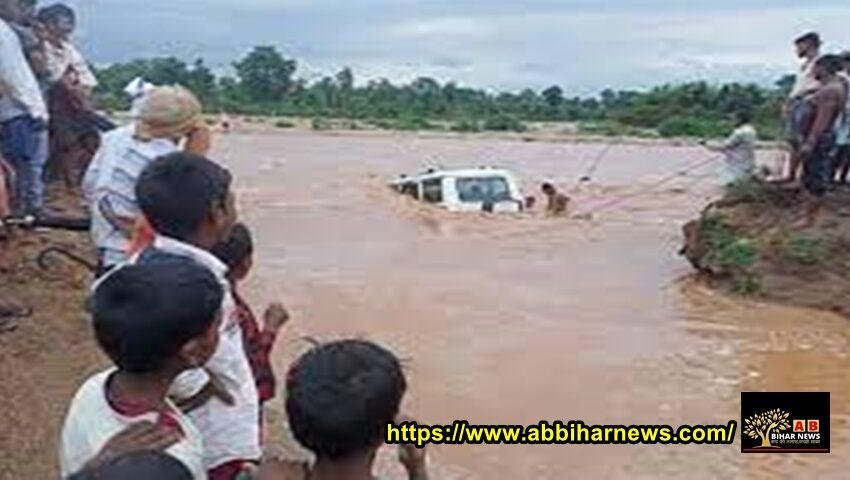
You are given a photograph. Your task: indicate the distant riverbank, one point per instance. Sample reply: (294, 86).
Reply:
(551, 132)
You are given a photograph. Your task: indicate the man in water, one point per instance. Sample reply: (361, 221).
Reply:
(556, 202)
(739, 149)
(825, 106)
(796, 109)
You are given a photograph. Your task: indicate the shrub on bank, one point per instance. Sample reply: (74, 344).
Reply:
(504, 123)
(466, 126)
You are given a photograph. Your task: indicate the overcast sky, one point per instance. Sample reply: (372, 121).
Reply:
(582, 45)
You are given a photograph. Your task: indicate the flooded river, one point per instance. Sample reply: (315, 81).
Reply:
(507, 320)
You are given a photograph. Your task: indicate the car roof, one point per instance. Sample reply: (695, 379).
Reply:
(483, 172)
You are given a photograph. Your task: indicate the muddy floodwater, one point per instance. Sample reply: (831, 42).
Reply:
(511, 320)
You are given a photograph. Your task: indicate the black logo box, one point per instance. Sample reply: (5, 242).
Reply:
(799, 406)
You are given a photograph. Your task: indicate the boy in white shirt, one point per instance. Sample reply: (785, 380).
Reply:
(154, 321)
(188, 201)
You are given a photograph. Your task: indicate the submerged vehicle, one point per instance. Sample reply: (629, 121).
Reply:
(464, 190)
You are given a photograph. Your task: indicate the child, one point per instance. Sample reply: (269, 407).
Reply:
(188, 202)
(154, 322)
(146, 465)
(339, 399)
(237, 252)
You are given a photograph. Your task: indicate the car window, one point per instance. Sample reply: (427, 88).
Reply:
(410, 188)
(483, 189)
(432, 190)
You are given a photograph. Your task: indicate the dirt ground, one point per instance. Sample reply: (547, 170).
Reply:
(751, 242)
(46, 357)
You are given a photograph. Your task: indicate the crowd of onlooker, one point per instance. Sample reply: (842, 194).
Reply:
(818, 122)
(191, 368)
(48, 126)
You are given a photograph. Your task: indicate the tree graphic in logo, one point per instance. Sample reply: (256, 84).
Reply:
(761, 426)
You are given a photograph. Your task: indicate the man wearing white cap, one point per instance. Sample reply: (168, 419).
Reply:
(170, 116)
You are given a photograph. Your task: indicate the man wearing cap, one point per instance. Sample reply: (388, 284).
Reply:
(171, 116)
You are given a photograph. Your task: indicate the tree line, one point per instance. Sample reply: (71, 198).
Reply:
(264, 82)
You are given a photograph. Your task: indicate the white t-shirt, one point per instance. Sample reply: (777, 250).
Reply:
(19, 90)
(113, 174)
(740, 152)
(230, 432)
(91, 422)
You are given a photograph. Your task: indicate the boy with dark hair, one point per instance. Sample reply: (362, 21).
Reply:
(237, 252)
(154, 322)
(147, 465)
(340, 397)
(187, 200)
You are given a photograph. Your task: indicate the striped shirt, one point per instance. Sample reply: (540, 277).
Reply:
(111, 178)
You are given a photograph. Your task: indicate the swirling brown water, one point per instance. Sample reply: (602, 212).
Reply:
(513, 320)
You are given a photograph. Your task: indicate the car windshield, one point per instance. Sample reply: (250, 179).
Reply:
(483, 190)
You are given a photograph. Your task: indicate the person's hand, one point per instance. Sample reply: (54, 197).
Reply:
(139, 437)
(275, 317)
(199, 140)
(412, 458)
(7, 170)
(219, 390)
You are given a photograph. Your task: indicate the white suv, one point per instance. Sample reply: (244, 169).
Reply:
(468, 190)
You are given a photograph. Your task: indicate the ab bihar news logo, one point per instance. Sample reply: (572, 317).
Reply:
(785, 422)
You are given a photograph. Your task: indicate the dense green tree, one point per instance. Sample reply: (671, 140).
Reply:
(265, 74)
(265, 83)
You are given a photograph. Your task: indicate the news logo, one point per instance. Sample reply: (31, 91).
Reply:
(784, 422)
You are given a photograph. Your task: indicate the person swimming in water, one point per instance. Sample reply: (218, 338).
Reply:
(557, 203)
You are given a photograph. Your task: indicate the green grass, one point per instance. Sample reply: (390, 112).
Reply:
(284, 124)
(732, 254)
(804, 250)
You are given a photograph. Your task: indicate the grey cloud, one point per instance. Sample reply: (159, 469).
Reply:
(582, 45)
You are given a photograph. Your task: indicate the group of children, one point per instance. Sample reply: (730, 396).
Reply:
(191, 364)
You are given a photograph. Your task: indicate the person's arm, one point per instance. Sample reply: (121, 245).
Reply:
(203, 386)
(412, 458)
(86, 77)
(16, 77)
(827, 104)
(414, 461)
(138, 437)
(5, 179)
(121, 223)
(199, 140)
(275, 317)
